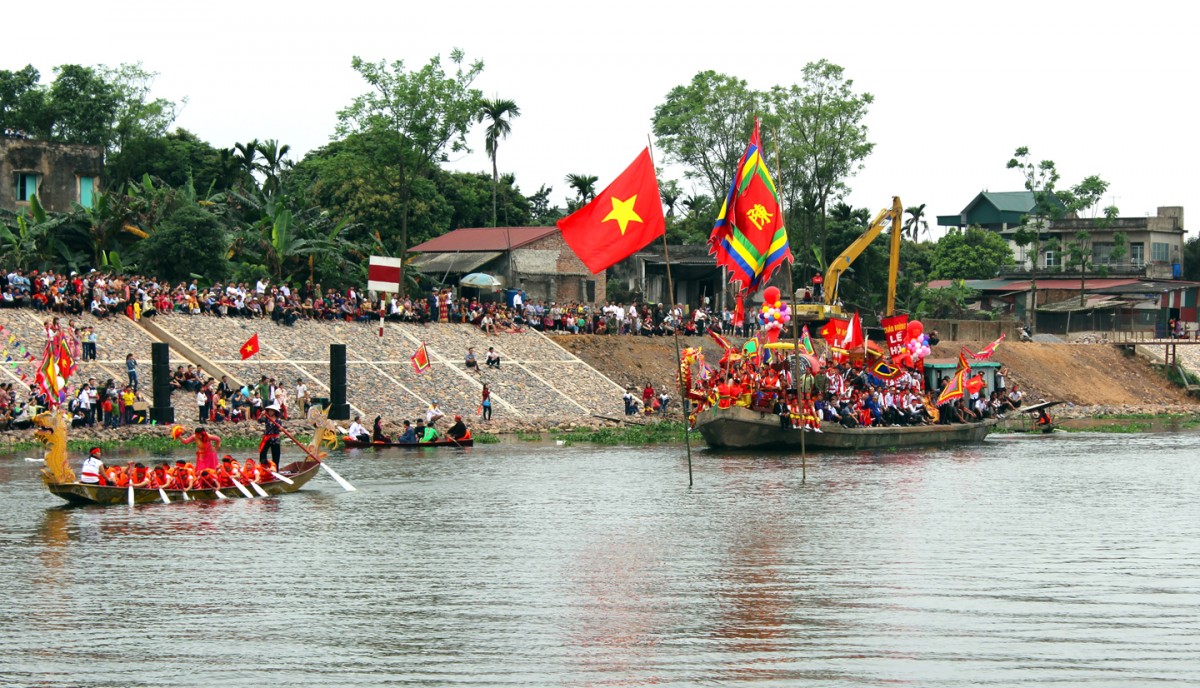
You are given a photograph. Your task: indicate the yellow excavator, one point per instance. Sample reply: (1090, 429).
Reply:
(829, 306)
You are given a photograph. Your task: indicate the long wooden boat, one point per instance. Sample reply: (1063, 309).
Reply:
(741, 428)
(86, 493)
(358, 444)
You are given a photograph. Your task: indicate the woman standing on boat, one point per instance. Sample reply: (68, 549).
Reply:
(206, 448)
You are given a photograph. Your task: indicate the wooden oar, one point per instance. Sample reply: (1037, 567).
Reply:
(186, 498)
(130, 494)
(220, 495)
(163, 494)
(332, 473)
(284, 478)
(241, 488)
(261, 492)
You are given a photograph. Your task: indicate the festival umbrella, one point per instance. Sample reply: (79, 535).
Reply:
(480, 280)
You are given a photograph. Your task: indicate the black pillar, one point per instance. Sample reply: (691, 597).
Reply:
(338, 408)
(160, 369)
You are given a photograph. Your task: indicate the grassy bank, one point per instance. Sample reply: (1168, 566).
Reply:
(634, 435)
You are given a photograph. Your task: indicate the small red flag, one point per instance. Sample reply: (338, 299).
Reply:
(621, 220)
(420, 360)
(250, 347)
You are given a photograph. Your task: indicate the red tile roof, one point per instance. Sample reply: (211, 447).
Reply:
(483, 239)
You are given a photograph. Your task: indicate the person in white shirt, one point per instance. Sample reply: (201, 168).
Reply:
(93, 468)
(1015, 396)
(358, 432)
(260, 287)
(434, 413)
(302, 395)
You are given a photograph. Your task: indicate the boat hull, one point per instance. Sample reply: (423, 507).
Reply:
(741, 428)
(84, 493)
(355, 444)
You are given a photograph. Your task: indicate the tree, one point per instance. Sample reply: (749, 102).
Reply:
(172, 159)
(585, 189)
(498, 114)
(137, 116)
(972, 253)
(189, 242)
(273, 163)
(916, 224)
(822, 141)
(1041, 178)
(947, 302)
(542, 213)
(427, 112)
(23, 103)
(704, 126)
(84, 106)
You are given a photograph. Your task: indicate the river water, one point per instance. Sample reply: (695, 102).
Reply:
(1064, 559)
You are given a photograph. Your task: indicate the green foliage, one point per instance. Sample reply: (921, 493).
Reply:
(946, 302)
(541, 212)
(485, 438)
(1191, 259)
(652, 433)
(694, 222)
(498, 114)
(529, 436)
(24, 108)
(585, 190)
(704, 126)
(972, 253)
(172, 158)
(84, 106)
(190, 241)
(137, 115)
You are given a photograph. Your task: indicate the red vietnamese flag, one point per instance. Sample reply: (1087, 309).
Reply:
(622, 219)
(250, 347)
(854, 334)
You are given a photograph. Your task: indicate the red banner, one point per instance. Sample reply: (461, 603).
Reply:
(834, 331)
(894, 328)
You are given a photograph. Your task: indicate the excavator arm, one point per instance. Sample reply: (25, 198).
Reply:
(888, 216)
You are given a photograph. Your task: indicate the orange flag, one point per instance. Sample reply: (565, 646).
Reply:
(622, 219)
(250, 347)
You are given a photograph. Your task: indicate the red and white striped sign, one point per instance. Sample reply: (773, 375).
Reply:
(383, 274)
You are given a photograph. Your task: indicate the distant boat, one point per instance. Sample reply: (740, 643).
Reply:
(358, 444)
(742, 428)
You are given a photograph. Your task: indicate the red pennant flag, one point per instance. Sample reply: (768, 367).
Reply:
(622, 219)
(250, 347)
(854, 334)
(420, 360)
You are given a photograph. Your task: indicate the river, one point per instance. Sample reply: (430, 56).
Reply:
(1063, 559)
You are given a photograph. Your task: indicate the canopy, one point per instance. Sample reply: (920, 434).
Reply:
(480, 281)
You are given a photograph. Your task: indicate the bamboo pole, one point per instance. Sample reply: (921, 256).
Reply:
(795, 321)
(683, 400)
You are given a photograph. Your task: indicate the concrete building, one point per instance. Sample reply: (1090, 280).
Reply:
(1154, 245)
(535, 259)
(59, 174)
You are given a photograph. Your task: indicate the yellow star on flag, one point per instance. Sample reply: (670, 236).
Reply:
(623, 213)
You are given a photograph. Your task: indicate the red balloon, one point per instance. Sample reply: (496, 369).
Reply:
(915, 328)
(770, 294)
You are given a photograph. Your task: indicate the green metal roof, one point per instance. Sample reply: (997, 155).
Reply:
(1010, 201)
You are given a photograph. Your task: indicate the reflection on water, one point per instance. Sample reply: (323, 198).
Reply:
(1066, 558)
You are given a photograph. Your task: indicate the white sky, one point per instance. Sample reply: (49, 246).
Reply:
(1100, 88)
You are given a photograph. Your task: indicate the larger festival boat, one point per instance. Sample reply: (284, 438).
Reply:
(742, 428)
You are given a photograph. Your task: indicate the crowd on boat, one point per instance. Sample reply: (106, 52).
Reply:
(180, 476)
(849, 393)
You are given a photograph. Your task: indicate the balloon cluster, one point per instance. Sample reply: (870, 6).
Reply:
(916, 346)
(774, 314)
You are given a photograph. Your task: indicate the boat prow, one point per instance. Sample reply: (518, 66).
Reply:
(742, 428)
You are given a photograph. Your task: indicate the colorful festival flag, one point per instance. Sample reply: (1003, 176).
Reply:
(720, 340)
(954, 388)
(987, 350)
(749, 237)
(621, 220)
(806, 341)
(420, 359)
(974, 384)
(250, 347)
(885, 371)
(66, 362)
(895, 328)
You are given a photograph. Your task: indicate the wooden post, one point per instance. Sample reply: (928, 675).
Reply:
(795, 358)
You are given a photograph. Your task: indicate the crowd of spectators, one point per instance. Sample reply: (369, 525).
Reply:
(105, 294)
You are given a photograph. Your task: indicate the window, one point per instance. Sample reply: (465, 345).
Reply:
(1137, 254)
(1160, 253)
(1101, 254)
(27, 185)
(1051, 259)
(87, 191)
(589, 291)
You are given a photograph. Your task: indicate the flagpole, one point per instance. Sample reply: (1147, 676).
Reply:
(683, 400)
(795, 320)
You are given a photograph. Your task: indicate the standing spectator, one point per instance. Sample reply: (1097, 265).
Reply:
(302, 396)
(131, 369)
(202, 405)
(486, 405)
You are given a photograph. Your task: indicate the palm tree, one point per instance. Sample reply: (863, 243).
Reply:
(498, 113)
(584, 185)
(916, 223)
(272, 164)
(245, 155)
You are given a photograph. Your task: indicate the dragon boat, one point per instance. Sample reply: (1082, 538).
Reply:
(51, 430)
(741, 428)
